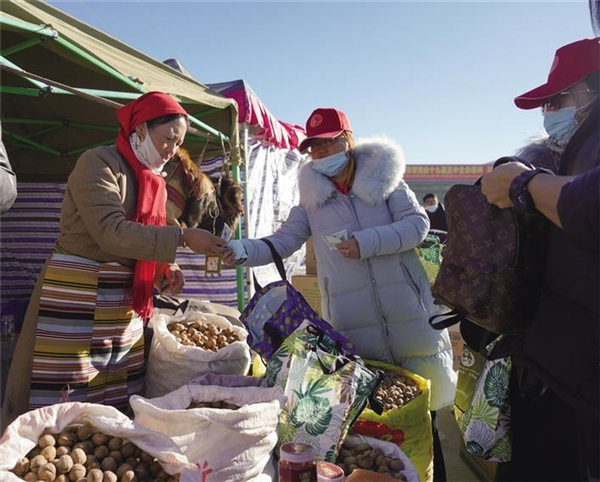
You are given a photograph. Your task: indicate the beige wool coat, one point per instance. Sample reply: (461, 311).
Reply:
(95, 223)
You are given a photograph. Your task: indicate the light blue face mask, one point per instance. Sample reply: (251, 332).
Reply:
(561, 124)
(331, 165)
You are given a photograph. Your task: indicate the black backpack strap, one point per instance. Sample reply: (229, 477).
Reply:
(446, 320)
(278, 263)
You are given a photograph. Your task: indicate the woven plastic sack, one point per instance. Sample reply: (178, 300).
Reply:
(23, 433)
(172, 365)
(409, 426)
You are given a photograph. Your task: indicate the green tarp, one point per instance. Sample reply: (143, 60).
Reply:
(45, 131)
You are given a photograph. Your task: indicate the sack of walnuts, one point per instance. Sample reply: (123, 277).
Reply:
(187, 346)
(68, 442)
(233, 427)
(383, 458)
(406, 420)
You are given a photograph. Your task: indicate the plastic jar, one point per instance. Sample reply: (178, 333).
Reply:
(328, 472)
(297, 463)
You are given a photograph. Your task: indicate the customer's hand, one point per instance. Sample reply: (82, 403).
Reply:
(349, 248)
(495, 185)
(201, 241)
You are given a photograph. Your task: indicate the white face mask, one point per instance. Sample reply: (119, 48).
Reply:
(146, 153)
(432, 208)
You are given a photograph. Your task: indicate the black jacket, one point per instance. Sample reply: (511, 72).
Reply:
(562, 346)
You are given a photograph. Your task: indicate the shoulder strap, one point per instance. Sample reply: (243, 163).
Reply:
(278, 263)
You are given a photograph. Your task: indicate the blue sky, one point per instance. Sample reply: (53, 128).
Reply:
(437, 77)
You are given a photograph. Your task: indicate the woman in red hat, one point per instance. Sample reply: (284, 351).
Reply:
(365, 223)
(82, 337)
(555, 392)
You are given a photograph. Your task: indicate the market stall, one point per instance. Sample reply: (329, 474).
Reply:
(61, 82)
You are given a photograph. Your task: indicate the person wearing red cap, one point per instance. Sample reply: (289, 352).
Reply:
(365, 223)
(555, 390)
(82, 337)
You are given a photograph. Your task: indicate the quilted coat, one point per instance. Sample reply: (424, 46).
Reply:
(382, 301)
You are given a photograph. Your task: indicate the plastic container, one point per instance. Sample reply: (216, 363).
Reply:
(297, 463)
(328, 472)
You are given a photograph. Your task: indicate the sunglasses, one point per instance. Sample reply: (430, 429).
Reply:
(553, 103)
(323, 143)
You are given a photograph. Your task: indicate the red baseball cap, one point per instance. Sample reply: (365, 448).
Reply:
(572, 63)
(324, 123)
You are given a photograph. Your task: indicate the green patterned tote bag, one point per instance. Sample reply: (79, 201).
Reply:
(482, 405)
(326, 391)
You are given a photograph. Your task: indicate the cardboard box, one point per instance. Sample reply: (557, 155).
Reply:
(308, 287)
(486, 471)
(457, 344)
(311, 260)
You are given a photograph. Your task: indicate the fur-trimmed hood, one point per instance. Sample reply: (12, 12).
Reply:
(380, 167)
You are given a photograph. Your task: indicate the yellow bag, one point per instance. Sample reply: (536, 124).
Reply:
(409, 427)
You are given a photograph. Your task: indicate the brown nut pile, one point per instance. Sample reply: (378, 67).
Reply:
(203, 335)
(226, 405)
(395, 391)
(363, 456)
(81, 454)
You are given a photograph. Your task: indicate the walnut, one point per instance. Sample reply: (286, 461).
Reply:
(109, 464)
(99, 439)
(37, 462)
(77, 472)
(49, 452)
(95, 475)
(64, 464)
(109, 477)
(47, 473)
(79, 456)
(46, 441)
(115, 443)
(84, 432)
(101, 452)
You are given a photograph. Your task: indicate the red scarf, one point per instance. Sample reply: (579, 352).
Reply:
(152, 193)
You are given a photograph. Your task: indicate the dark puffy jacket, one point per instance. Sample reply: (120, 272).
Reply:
(562, 346)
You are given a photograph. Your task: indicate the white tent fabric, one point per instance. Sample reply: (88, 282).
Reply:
(271, 191)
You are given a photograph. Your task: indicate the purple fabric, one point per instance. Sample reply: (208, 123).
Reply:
(212, 379)
(293, 311)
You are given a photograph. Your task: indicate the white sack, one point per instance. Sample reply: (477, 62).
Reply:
(389, 449)
(237, 443)
(172, 365)
(22, 435)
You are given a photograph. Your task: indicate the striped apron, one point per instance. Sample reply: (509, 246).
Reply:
(89, 343)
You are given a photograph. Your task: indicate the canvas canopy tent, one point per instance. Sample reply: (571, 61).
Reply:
(45, 128)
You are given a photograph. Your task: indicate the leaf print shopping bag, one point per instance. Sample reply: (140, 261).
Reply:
(482, 405)
(326, 390)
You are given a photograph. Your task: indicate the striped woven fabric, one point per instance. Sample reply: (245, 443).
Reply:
(89, 345)
(27, 234)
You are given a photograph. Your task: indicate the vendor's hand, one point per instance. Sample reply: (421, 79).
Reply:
(495, 185)
(201, 241)
(174, 280)
(349, 248)
(229, 258)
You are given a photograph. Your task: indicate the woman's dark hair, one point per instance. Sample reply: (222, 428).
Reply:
(165, 119)
(595, 15)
